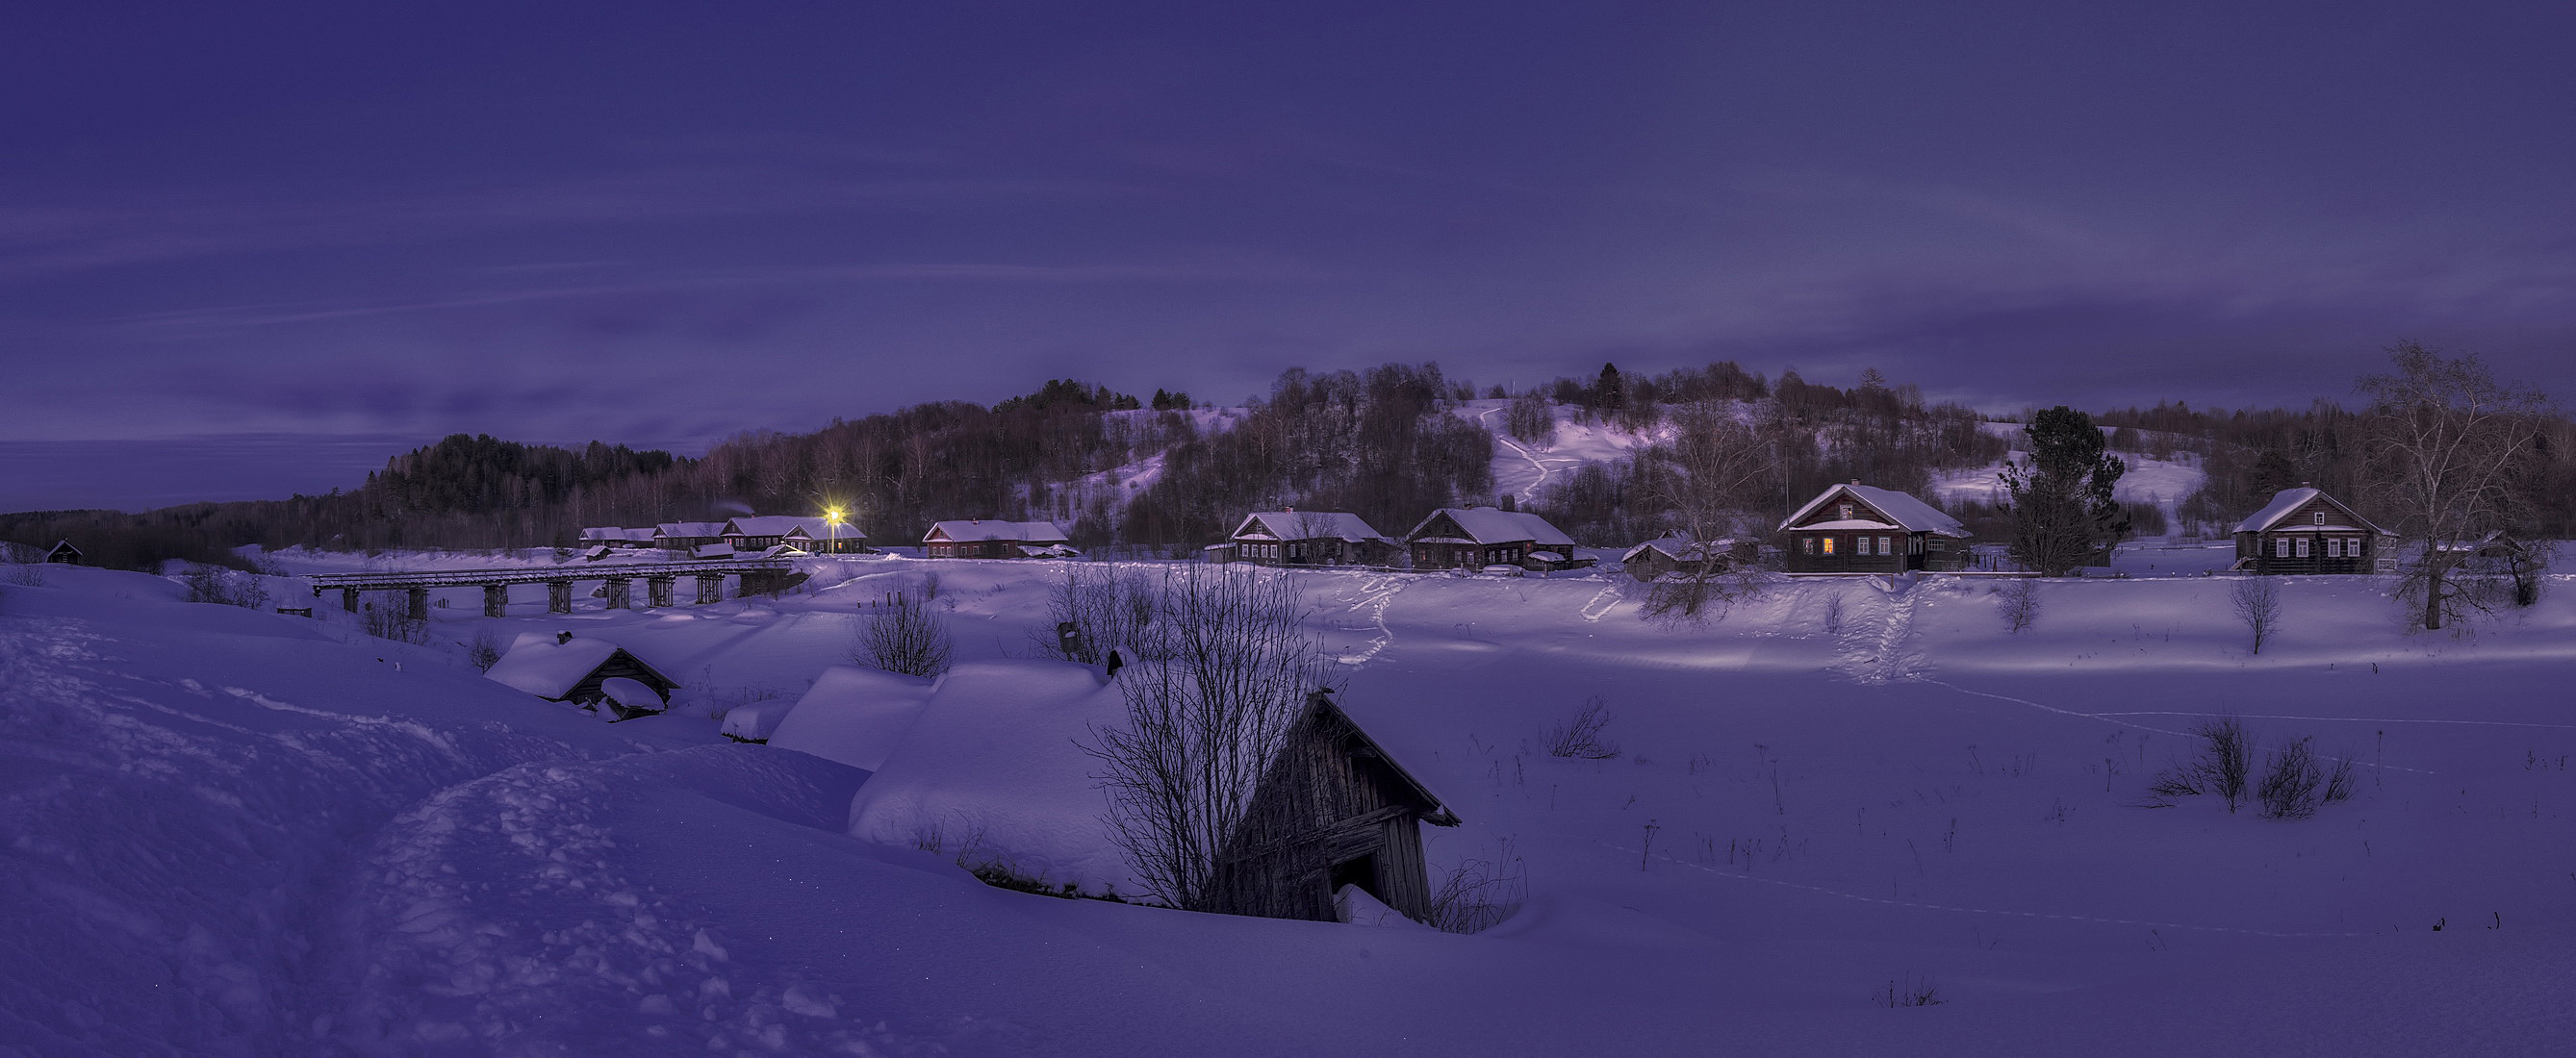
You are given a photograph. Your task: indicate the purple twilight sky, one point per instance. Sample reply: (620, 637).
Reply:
(249, 250)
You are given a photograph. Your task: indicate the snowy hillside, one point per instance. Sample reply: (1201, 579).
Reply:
(1521, 468)
(234, 832)
(2160, 483)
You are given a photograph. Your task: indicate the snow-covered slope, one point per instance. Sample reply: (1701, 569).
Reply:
(230, 832)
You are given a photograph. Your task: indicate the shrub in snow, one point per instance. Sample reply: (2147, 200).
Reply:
(2222, 768)
(484, 652)
(1581, 736)
(1474, 895)
(1096, 609)
(216, 584)
(390, 622)
(2257, 602)
(2018, 603)
(29, 574)
(2294, 785)
(1910, 993)
(905, 636)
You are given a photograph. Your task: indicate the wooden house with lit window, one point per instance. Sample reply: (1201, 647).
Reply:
(1309, 538)
(2303, 530)
(1858, 528)
(1476, 537)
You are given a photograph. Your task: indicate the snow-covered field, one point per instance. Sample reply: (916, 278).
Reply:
(233, 832)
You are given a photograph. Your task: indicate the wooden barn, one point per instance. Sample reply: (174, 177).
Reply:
(993, 757)
(1856, 528)
(64, 552)
(563, 667)
(1669, 555)
(687, 536)
(2303, 530)
(1476, 537)
(993, 538)
(1332, 810)
(1310, 538)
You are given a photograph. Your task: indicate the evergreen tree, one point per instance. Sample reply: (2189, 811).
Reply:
(2063, 516)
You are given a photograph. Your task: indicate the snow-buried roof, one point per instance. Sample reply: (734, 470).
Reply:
(1910, 514)
(851, 715)
(993, 769)
(543, 667)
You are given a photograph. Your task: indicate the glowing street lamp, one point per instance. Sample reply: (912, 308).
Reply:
(832, 517)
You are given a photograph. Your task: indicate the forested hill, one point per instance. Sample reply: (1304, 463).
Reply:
(1389, 443)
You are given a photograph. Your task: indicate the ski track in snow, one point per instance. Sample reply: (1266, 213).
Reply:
(2113, 718)
(1956, 909)
(1601, 604)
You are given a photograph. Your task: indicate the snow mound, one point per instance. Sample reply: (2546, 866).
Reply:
(852, 715)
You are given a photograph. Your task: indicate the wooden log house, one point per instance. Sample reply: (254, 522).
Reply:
(2303, 530)
(1476, 537)
(563, 667)
(1310, 538)
(1333, 809)
(1669, 555)
(1856, 528)
(994, 538)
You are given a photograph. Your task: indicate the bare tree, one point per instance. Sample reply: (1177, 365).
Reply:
(2018, 603)
(1097, 608)
(905, 636)
(2257, 601)
(1708, 477)
(1204, 722)
(2447, 447)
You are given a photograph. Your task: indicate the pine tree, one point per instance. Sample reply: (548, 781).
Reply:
(2063, 516)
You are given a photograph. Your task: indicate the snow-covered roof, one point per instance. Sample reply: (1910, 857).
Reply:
(541, 666)
(1909, 514)
(640, 536)
(632, 693)
(712, 551)
(852, 715)
(2288, 501)
(1678, 548)
(789, 525)
(605, 532)
(1492, 525)
(994, 755)
(1306, 525)
(993, 529)
(705, 529)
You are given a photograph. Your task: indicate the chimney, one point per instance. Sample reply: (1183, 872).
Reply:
(1508, 503)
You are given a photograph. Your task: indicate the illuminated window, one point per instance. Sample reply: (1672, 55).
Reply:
(1847, 512)
(1829, 545)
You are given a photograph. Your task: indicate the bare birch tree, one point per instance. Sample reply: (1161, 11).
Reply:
(2257, 602)
(1708, 477)
(2447, 447)
(1204, 722)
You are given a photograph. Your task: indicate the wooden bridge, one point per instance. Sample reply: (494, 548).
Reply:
(758, 575)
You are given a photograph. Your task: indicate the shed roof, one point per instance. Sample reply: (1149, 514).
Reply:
(1306, 525)
(541, 666)
(2288, 501)
(1493, 525)
(1910, 514)
(994, 754)
(993, 529)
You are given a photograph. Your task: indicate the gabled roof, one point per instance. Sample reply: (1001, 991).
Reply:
(543, 667)
(991, 529)
(789, 525)
(606, 532)
(705, 529)
(61, 546)
(1908, 513)
(1322, 709)
(1678, 549)
(1306, 525)
(1492, 525)
(2288, 501)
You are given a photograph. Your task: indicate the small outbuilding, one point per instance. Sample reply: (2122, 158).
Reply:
(2303, 530)
(64, 552)
(1858, 528)
(1310, 538)
(1665, 556)
(563, 667)
(989, 767)
(1476, 537)
(994, 538)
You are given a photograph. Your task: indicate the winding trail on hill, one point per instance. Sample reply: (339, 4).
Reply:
(1540, 464)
